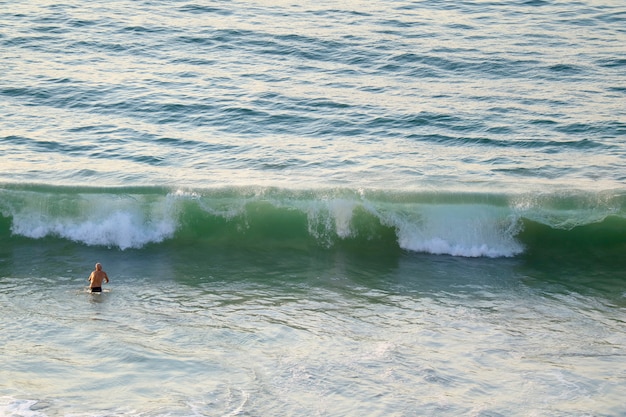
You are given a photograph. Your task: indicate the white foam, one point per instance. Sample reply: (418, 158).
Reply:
(458, 230)
(342, 213)
(100, 220)
(18, 408)
(327, 218)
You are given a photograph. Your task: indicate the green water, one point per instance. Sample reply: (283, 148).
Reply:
(313, 209)
(290, 333)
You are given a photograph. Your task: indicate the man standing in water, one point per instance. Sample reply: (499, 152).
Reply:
(96, 277)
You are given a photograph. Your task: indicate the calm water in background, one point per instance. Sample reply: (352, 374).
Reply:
(365, 208)
(407, 95)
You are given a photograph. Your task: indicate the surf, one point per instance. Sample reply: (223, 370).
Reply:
(441, 223)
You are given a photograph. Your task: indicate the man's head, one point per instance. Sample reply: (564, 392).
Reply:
(98, 267)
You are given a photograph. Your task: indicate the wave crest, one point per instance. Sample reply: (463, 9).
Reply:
(468, 225)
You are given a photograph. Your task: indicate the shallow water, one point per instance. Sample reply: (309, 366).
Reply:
(426, 335)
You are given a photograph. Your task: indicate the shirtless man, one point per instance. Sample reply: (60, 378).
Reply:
(96, 277)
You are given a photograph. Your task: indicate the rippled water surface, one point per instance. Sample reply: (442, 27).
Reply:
(421, 338)
(409, 95)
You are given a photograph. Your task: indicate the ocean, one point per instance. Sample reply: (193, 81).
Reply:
(365, 208)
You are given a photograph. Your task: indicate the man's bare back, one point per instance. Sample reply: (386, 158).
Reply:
(96, 278)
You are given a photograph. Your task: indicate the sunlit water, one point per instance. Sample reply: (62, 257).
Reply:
(367, 94)
(313, 209)
(423, 338)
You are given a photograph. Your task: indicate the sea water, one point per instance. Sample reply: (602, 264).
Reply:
(407, 208)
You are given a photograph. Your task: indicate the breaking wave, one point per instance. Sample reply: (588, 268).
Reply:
(457, 224)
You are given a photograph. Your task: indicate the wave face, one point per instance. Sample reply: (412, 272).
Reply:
(457, 224)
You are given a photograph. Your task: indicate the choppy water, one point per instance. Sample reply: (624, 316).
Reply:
(366, 208)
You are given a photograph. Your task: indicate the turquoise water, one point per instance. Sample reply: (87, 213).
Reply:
(374, 208)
